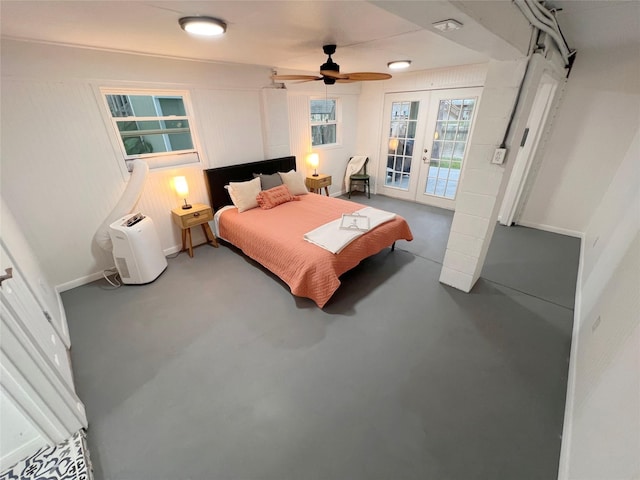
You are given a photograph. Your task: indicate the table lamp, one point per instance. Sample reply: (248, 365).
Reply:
(182, 188)
(313, 160)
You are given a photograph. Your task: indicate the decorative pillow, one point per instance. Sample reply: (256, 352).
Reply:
(274, 196)
(243, 194)
(294, 181)
(268, 181)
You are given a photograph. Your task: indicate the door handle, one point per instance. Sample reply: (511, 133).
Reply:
(425, 159)
(8, 274)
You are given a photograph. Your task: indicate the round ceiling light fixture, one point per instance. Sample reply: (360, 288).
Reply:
(399, 64)
(207, 26)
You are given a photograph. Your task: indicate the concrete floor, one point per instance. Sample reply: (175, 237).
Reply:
(215, 371)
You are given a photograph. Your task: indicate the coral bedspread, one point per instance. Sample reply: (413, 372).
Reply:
(274, 238)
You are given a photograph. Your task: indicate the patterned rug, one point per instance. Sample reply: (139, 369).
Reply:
(68, 460)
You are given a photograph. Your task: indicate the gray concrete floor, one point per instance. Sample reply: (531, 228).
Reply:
(215, 371)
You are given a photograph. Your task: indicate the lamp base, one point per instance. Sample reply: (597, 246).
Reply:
(314, 175)
(186, 207)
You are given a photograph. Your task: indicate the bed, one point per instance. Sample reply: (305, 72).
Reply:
(275, 237)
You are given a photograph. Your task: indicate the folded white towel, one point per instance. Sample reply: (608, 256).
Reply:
(334, 239)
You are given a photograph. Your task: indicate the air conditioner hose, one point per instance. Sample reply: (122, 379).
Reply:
(126, 203)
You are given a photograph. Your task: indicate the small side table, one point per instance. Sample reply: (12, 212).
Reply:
(315, 184)
(198, 214)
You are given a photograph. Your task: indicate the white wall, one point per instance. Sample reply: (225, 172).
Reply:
(596, 189)
(61, 174)
(602, 422)
(593, 130)
(333, 159)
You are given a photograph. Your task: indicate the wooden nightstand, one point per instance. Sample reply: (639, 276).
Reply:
(198, 214)
(315, 184)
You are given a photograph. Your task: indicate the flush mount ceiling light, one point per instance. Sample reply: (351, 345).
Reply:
(207, 26)
(447, 25)
(399, 64)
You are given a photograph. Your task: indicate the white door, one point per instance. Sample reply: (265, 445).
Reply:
(39, 402)
(403, 133)
(542, 106)
(425, 143)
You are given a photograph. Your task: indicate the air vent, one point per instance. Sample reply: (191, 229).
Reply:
(121, 264)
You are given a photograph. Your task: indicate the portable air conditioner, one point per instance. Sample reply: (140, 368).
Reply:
(136, 249)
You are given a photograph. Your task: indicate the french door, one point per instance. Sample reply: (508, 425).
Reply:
(425, 137)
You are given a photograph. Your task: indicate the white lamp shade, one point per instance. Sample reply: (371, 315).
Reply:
(313, 159)
(181, 186)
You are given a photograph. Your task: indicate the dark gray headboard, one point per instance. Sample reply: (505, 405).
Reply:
(217, 178)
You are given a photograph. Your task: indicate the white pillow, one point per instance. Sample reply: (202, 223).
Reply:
(294, 182)
(243, 194)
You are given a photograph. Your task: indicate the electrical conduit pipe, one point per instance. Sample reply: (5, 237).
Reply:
(564, 51)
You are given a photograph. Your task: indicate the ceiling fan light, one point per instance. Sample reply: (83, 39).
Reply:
(399, 64)
(206, 26)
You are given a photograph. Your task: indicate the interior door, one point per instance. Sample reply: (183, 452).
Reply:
(36, 381)
(424, 143)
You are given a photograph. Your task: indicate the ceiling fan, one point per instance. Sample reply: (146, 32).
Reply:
(330, 72)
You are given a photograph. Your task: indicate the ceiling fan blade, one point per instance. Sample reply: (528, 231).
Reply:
(311, 79)
(333, 74)
(296, 77)
(345, 80)
(364, 76)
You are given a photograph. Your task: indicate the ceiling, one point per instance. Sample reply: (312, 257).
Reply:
(288, 35)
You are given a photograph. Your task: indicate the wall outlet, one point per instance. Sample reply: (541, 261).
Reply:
(498, 156)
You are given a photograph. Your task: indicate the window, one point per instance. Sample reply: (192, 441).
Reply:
(324, 123)
(155, 126)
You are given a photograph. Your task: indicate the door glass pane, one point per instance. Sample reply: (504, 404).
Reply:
(447, 150)
(402, 132)
(449, 146)
(463, 131)
(408, 148)
(435, 151)
(443, 110)
(411, 130)
(450, 131)
(413, 115)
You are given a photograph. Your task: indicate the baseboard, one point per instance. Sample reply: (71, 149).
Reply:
(78, 282)
(567, 427)
(552, 229)
(172, 250)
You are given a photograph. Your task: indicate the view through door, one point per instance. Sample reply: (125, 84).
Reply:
(424, 143)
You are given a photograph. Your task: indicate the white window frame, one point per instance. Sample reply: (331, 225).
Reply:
(153, 159)
(337, 122)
